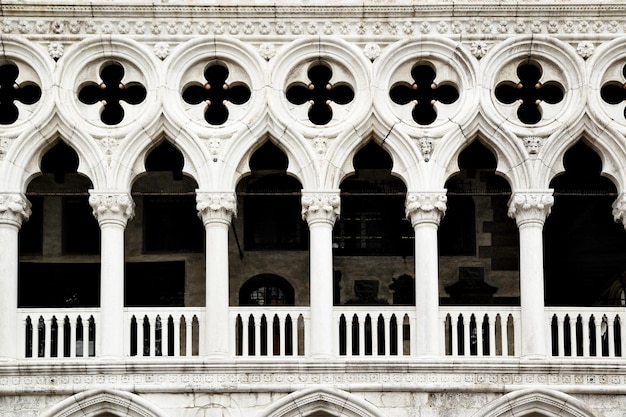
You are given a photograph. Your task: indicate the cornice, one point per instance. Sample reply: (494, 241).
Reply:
(468, 19)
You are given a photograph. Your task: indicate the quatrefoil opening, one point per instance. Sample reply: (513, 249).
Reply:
(26, 93)
(529, 92)
(319, 93)
(423, 92)
(215, 93)
(110, 92)
(614, 92)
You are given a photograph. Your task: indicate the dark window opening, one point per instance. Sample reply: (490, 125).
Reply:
(81, 232)
(43, 285)
(266, 289)
(31, 232)
(585, 250)
(155, 284)
(372, 220)
(271, 204)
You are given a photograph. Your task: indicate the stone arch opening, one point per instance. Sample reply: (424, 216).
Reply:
(165, 260)
(584, 247)
(59, 257)
(104, 403)
(535, 403)
(372, 240)
(321, 401)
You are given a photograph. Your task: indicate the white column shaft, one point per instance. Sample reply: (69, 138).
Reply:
(426, 290)
(321, 270)
(216, 334)
(8, 291)
(110, 331)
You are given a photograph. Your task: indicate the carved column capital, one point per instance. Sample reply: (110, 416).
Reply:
(112, 207)
(320, 206)
(216, 207)
(619, 209)
(530, 206)
(425, 206)
(14, 208)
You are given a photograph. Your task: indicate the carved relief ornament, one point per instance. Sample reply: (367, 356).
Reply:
(14, 208)
(115, 207)
(619, 209)
(426, 206)
(320, 207)
(216, 207)
(530, 206)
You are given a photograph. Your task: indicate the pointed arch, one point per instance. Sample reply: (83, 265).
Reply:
(542, 401)
(399, 146)
(508, 149)
(245, 143)
(26, 153)
(605, 141)
(95, 402)
(309, 401)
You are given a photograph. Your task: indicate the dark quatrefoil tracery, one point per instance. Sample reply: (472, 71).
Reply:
(26, 92)
(110, 92)
(320, 93)
(423, 93)
(215, 93)
(530, 91)
(614, 92)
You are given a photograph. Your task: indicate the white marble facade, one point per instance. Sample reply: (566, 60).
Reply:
(163, 47)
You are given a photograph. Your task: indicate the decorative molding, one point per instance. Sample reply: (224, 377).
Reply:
(426, 148)
(530, 206)
(216, 207)
(14, 208)
(425, 206)
(320, 206)
(619, 209)
(111, 207)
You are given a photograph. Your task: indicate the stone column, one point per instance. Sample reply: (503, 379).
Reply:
(113, 210)
(425, 210)
(320, 209)
(530, 208)
(216, 211)
(14, 210)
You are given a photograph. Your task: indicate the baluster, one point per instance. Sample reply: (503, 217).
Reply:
(153, 326)
(387, 334)
(586, 340)
(73, 325)
(492, 336)
(610, 329)
(245, 335)
(128, 333)
(36, 338)
(467, 342)
(400, 334)
(349, 340)
(598, 324)
(361, 335)
(48, 338)
(188, 335)
(560, 334)
(257, 336)
(517, 340)
(141, 336)
(454, 326)
(295, 335)
(176, 335)
(85, 337)
(282, 334)
(165, 337)
(375, 330)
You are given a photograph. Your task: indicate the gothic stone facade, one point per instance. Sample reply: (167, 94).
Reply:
(363, 209)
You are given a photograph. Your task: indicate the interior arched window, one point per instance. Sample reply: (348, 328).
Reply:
(266, 289)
